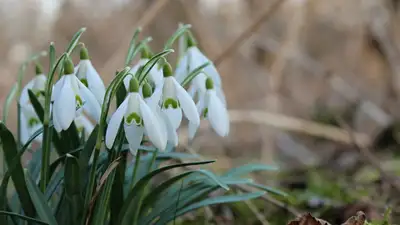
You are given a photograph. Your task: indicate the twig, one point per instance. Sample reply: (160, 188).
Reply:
(146, 19)
(248, 32)
(290, 124)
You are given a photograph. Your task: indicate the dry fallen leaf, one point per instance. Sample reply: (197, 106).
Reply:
(359, 219)
(308, 219)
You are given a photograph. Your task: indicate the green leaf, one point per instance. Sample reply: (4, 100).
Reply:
(157, 193)
(74, 41)
(268, 189)
(129, 207)
(142, 44)
(42, 208)
(70, 137)
(211, 201)
(73, 187)
(8, 102)
(194, 73)
(40, 113)
(132, 46)
(54, 183)
(151, 63)
(26, 218)
(10, 152)
(249, 168)
(52, 56)
(178, 33)
(85, 156)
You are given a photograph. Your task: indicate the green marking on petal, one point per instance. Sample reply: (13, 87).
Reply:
(32, 122)
(79, 102)
(85, 82)
(171, 103)
(134, 117)
(205, 112)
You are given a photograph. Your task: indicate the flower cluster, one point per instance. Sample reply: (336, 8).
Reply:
(153, 107)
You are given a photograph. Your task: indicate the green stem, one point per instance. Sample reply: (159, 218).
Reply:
(135, 169)
(141, 195)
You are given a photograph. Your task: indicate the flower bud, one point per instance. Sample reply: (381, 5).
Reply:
(133, 85)
(84, 53)
(145, 53)
(68, 65)
(191, 41)
(209, 83)
(167, 69)
(147, 90)
(38, 69)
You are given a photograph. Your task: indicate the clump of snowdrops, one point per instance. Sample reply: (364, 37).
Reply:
(93, 166)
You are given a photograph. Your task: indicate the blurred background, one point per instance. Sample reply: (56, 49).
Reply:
(304, 79)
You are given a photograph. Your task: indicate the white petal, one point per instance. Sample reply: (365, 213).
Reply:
(192, 129)
(24, 98)
(115, 122)
(24, 129)
(56, 124)
(76, 68)
(199, 58)
(39, 83)
(127, 79)
(156, 75)
(221, 95)
(172, 135)
(96, 85)
(154, 100)
(91, 105)
(181, 69)
(64, 105)
(134, 135)
(217, 114)
(187, 104)
(152, 126)
(57, 88)
(174, 116)
(83, 122)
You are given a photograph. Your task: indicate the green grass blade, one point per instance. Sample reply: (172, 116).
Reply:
(42, 208)
(84, 157)
(249, 168)
(40, 113)
(132, 46)
(26, 218)
(10, 152)
(151, 63)
(72, 187)
(211, 201)
(74, 41)
(194, 73)
(9, 100)
(128, 209)
(54, 183)
(178, 33)
(268, 189)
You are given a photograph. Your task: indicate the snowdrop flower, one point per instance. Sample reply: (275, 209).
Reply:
(155, 75)
(37, 85)
(211, 107)
(175, 99)
(138, 118)
(30, 123)
(192, 59)
(88, 75)
(69, 97)
(166, 125)
(83, 124)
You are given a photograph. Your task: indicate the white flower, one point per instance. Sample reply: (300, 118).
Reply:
(37, 85)
(175, 99)
(192, 59)
(88, 75)
(138, 119)
(69, 96)
(214, 110)
(83, 123)
(30, 123)
(155, 74)
(153, 102)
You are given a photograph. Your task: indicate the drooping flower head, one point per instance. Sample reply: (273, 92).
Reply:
(174, 99)
(138, 119)
(192, 59)
(70, 96)
(214, 110)
(88, 75)
(155, 75)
